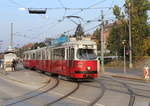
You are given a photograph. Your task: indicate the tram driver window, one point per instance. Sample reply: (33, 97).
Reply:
(86, 54)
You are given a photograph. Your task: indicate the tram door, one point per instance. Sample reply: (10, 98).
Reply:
(70, 59)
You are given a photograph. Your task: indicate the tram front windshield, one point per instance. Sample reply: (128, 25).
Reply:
(86, 54)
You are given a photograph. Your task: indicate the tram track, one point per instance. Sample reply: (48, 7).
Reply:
(130, 91)
(43, 91)
(133, 86)
(132, 95)
(65, 96)
(135, 83)
(102, 87)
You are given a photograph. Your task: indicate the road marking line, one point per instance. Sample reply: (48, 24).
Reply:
(78, 99)
(22, 82)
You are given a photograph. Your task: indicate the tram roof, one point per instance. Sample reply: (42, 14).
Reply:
(70, 42)
(89, 42)
(32, 51)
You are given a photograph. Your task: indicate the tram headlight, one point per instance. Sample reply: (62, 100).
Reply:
(88, 68)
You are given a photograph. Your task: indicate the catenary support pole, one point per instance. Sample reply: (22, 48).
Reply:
(11, 37)
(130, 39)
(102, 42)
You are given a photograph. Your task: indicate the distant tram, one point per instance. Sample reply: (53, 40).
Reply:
(72, 59)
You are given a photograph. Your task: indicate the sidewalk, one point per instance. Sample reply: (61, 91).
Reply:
(134, 74)
(25, 76)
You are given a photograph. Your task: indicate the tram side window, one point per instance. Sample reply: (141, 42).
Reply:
(38, 55)
(67, 54)
(33, 55)
(62, 55)
(46, 54)
(72, 54)
(27, 57)
(43, 55)
(55, 54)
(30, 56)
(49, 54)
(59, 54)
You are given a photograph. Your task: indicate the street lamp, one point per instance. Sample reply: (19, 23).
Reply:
(124, 55)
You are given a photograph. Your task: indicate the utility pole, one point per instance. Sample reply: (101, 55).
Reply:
(130, 39)
(11, 37)
(102, 42)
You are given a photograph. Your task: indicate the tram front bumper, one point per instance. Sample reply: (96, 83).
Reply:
(85, 74)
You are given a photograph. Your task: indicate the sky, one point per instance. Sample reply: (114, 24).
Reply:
(35, 28)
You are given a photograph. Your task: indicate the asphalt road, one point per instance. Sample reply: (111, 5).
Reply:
(103, 91)
(136, 72)
(10, 90)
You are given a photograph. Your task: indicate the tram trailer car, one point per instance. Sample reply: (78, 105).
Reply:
(74, 59)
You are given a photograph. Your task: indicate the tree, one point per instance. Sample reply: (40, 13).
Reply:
(137, 9)
(146, 46)
(97, 35)
(38, 45)
(118, 33)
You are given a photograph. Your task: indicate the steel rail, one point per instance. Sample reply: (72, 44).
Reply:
(30, 97)
(133, 88)
(131, 92)
(102, 87)
(63, 97)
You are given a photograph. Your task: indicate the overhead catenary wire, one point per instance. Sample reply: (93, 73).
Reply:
(55, 24)
(97, 3)
(93, 5)
(63, 7)
(66, 9)
(36, 27)
(16, 3)
(37, 35)
(26, 37)
(92, 28)
(86, 23)
(60, 2)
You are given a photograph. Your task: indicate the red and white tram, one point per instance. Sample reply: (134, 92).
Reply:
(72, 59)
